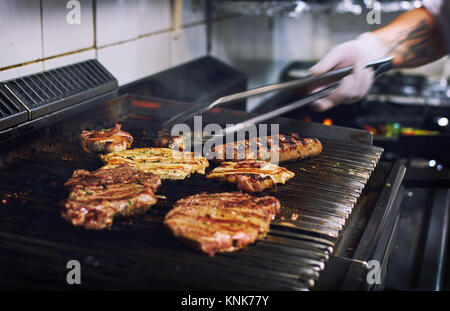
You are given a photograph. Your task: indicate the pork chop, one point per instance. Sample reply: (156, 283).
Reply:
(222, 222)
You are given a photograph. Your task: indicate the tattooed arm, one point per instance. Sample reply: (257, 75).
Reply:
(413, 39)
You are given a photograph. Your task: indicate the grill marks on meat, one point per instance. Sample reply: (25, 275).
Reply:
(106, 140)
(96, 209)
(165, 162)
(123, 174)
(222, 222)
(251, 175)
(289, 147)
(97, 197)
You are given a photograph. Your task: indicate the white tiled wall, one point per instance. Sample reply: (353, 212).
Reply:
(189, 45)
(69, 59)
(119, 20)
(21, 36)
(61, 37)
(137, 59)
(21, 71)
(132, 38)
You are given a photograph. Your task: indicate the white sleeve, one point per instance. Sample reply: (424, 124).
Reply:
(440, 9)
(433, 6)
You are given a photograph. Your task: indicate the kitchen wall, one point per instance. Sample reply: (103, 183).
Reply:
(268, 42)
(136, 38)
(132, 38)
(263, 46)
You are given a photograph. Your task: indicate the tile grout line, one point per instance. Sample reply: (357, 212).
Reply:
(42, 32)
(46, 58)
(94, 17)
(95, 47)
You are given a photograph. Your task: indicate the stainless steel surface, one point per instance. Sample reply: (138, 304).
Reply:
(378, 239)
(422, 246)
(436, 243)
(298, 8)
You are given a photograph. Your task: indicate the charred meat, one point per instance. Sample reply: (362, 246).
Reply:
(124, 174)
(165, 162)
(251, 175)
(222, 222)
(288, 148)
(97, 197)
(106, 140)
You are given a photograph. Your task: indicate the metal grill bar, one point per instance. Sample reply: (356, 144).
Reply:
(45, 86)
(65, 81)
(44, 93)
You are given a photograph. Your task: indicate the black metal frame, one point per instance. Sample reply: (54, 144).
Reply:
(379, 237)
(44, 98)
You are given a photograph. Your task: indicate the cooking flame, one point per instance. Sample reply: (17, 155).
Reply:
(328, 122)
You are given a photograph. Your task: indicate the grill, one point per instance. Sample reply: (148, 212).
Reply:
(316, 219)
(327, 187)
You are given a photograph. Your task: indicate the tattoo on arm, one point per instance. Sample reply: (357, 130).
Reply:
(418, 45)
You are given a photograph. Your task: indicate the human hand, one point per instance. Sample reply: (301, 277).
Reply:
(367, 47)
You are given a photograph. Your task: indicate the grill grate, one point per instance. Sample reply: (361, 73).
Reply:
(316, 205)
(326, 188)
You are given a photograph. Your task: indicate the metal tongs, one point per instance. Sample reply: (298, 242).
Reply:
(329, 81)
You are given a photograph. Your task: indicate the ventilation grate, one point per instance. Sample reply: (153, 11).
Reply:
(12, 112)
(53, 90)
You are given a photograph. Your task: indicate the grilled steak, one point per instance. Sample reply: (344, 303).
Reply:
(106, 140)
(290, 147)
(97, 197)
(123, 174)
(165, 162)
(222, 222)
(251, 175)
